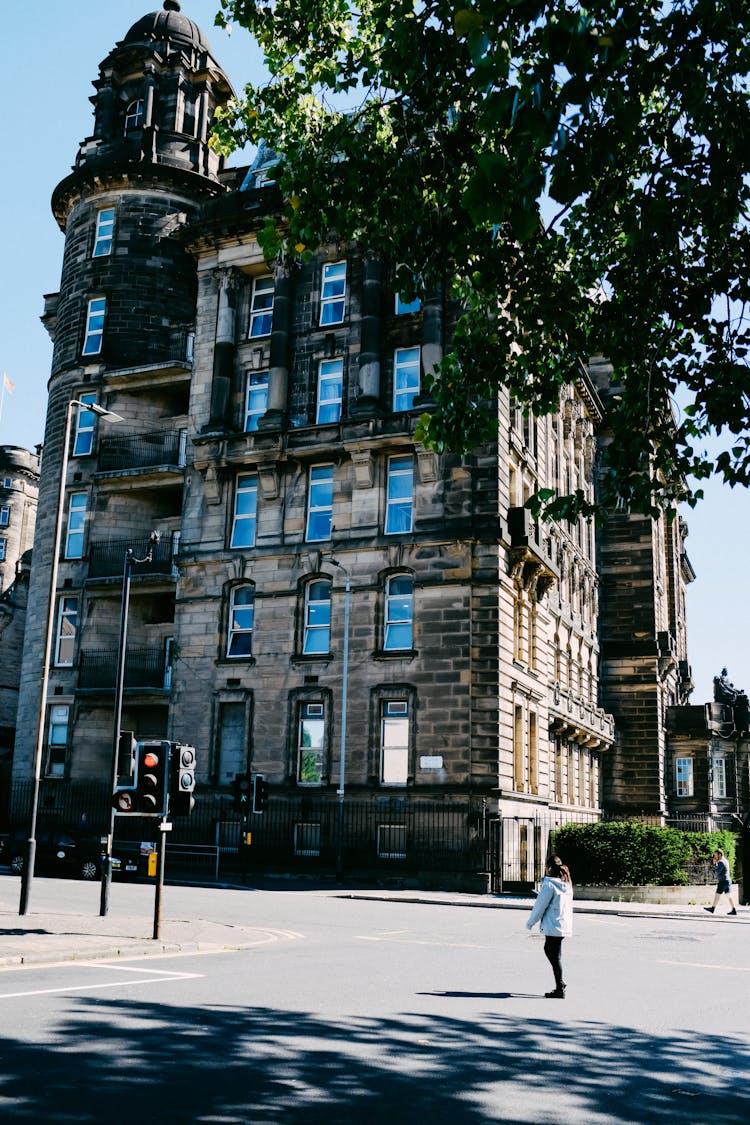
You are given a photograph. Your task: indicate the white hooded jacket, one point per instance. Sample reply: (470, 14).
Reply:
(553, 908)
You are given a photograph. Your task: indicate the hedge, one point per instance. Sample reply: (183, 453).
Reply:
(628, 853)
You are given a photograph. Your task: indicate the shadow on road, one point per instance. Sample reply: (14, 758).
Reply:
(125, 1061)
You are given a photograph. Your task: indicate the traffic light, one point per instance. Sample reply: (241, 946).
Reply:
(260, 793)
(181, 779)
(151, 777)
(241, 792)
(126, 749)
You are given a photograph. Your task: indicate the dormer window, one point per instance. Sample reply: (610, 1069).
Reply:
(134, 115)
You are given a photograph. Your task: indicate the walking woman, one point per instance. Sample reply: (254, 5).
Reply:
(553, 910)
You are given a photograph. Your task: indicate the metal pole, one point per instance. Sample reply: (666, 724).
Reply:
(161, 860)
(119, 689)
(27, 874)
(342, 754)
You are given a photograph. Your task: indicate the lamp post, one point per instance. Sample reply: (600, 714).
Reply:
(342, 753)
(27, 874)
(127, 570)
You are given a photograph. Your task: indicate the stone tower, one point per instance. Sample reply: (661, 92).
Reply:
(122, 327)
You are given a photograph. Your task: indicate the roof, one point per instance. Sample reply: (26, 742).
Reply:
(167, 25)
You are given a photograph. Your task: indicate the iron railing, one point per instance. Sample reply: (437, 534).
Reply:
(139, 451)
(107, 560)
(144, 668)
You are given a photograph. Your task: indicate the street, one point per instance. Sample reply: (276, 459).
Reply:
(349, 1010)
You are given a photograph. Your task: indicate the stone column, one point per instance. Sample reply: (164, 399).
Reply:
(224, 350)
(276, 415)
(368, 402)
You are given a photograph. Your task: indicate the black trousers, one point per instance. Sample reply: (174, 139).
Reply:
(553, 953)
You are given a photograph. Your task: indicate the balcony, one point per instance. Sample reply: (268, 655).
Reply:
(530, 560)
(146, 669)
(162, 449)
(174, 347)
(579, 720)
(107, 560)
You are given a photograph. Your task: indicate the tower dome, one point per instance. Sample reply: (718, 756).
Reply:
(167, 25)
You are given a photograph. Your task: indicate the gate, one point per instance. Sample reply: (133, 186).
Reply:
(516, 852)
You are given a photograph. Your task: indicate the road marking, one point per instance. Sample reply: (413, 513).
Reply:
(416, 941)
(152, 978)
(703, 965)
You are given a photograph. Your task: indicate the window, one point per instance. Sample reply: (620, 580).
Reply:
(4, 517)
(245, 511)
(391, 841)
(398, 512)
(519, 754)
(333, 293)
(320, 503)
(3, 544)
(84, 442)
(406, 367)
(8, 483)
(92, 342)
(394, 742)
(241, 615)
(57, 740)
(317, 627)
(684, 777)
(399, 612)
(256, 401)
(231, 740)
(76, 525)
(311, 737)
(105, 227)
(719, 771)
(134, 115)
(307, 839)
(67, 627)
(261, 307)
(330, 387)
(403, 308)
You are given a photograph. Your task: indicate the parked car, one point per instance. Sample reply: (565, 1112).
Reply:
(59, 851)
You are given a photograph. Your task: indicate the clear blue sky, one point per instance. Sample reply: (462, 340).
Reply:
(52, 54)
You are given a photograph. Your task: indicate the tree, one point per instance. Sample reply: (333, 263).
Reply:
(578, 174)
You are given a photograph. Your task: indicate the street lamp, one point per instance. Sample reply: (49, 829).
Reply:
(127, 570)
(27, 873)
(342, 754)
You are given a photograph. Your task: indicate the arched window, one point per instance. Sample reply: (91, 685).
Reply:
(317, 626)
(134, 115)
(399, 612)
(241, 620)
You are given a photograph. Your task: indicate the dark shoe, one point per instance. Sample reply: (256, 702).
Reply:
(708, 909)
(557, 994)
(732, 912)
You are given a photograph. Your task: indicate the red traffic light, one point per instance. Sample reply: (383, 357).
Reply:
(150, 760)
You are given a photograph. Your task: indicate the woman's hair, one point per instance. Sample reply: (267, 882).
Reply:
(557, 868)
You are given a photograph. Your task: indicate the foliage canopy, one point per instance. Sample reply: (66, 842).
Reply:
(575, 174)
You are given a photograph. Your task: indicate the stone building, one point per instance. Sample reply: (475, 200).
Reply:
(19, 486)
(269, 438)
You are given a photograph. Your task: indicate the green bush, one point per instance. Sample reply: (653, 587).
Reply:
(628, 853)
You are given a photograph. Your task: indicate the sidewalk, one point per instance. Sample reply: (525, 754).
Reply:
(48, 938)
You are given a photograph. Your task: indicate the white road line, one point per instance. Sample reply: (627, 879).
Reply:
(415, 941)
(702, 965)
(104, 984)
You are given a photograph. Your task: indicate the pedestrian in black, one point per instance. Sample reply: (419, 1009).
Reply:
(724, 882)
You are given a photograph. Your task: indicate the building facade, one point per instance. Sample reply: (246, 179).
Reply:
(19, 487)
(310, 549)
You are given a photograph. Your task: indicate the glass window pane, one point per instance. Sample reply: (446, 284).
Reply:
(245, 512)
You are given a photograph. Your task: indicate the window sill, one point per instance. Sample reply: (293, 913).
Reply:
(311, 658)
(233, 661)
(395, 653)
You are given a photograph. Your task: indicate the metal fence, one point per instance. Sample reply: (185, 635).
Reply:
(300, 834)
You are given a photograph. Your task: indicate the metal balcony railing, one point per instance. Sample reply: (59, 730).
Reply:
(144, 668)
(151, 350)
(140, 451)
(107, 560)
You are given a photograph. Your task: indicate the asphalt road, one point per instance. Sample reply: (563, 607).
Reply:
(362, 1012)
